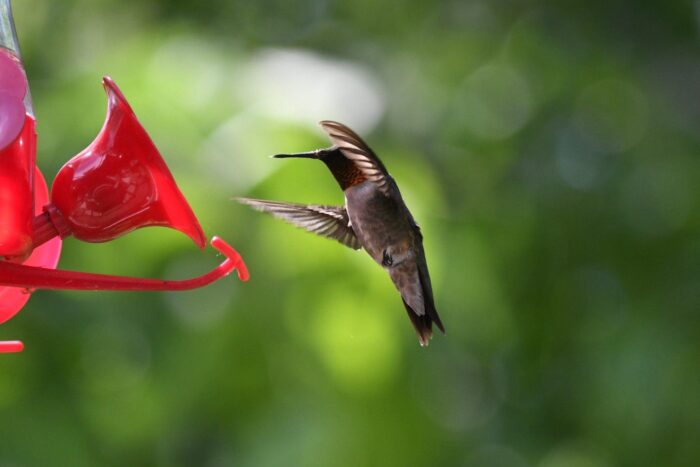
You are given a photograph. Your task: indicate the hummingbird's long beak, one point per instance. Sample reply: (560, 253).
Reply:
(317, 154)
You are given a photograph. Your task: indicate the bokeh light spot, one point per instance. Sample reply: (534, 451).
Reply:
(658, 197)
(580, 164)
(356, 341)
(191, 69)
(612, 115)
(304, 87)
(572, 456)
(496, 102)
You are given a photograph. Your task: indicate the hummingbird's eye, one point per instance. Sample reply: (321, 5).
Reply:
(387, 260)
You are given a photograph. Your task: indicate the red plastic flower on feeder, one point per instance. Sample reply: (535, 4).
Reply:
(117, 184)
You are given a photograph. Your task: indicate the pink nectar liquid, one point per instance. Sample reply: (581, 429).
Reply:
(17, 161)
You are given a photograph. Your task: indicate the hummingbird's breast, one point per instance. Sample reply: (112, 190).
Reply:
(379, 222)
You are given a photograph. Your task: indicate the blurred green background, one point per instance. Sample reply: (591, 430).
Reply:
(549, 151)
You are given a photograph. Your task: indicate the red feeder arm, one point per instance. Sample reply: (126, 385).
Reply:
(117, 184)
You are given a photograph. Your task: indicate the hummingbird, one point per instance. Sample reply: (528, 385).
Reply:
(374, 217)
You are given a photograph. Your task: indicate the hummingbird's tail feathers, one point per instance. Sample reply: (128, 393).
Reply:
(429, 302)
(327, 221)
(417, 296)
(423, 325)
(427, 289)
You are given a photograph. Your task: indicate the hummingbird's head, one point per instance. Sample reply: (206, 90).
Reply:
(343, 169)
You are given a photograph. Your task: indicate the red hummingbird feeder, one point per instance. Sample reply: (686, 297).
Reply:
(117, 184)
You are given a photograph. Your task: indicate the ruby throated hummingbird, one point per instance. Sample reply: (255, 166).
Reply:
(374, 217)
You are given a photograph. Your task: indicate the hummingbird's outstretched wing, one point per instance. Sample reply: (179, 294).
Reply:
(357, 151)
(327, 221)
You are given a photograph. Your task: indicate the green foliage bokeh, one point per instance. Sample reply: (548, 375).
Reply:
(550, 152)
